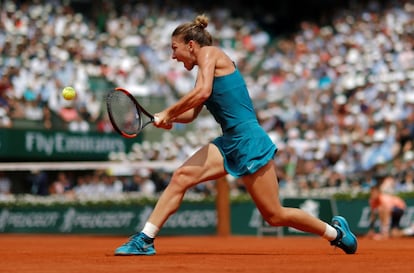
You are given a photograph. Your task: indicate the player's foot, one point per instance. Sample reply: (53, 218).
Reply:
(345, 240)
(138, 244)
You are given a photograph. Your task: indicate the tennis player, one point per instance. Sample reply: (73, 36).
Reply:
(243, 150)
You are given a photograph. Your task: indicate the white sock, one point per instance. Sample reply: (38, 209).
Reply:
(150, 230)
(330, 233)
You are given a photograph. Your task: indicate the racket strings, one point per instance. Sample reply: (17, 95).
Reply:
(125, 113)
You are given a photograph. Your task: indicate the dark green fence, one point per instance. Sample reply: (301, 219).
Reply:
(193, 218)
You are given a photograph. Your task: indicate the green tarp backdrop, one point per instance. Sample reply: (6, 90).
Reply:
(192, 218)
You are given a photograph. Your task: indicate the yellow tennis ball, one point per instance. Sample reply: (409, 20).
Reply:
(68, 93)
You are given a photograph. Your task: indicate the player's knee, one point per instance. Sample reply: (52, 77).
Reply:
(181, 180)
(274, 219)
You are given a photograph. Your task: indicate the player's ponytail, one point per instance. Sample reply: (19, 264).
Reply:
(195, 31)
(201, 21)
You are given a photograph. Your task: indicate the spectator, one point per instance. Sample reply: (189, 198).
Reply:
(79, 124)
(93, 108)
(96, 186)
(62, 185)
(143, 183)
(104, 124)
(5, 184)
(39, 183)
(81, 187)
(113, 185)
(69, 113)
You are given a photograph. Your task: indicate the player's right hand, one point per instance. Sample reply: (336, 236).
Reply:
(160, 123)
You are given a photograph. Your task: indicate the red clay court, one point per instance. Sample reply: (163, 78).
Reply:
(88, 254)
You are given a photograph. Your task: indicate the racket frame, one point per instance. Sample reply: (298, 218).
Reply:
(141, 110)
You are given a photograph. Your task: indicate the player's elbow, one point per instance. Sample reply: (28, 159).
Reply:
(204, 96)
(190, 117)
(186, 117)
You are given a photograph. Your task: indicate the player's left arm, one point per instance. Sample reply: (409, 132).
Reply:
(189, 115)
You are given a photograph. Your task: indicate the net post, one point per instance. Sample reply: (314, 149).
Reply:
(223, 206)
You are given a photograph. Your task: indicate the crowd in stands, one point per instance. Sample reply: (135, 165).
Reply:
(337, 99)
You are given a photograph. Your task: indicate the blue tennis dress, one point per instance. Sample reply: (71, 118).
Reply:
(244, 144)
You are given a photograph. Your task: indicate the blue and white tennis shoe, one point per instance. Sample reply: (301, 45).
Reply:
(345, 240)
(138, 244)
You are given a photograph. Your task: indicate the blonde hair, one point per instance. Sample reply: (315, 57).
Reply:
(195, 30)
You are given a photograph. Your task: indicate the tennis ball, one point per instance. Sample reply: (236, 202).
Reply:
(68, 93)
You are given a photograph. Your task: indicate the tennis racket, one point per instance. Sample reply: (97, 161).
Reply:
(127, 116)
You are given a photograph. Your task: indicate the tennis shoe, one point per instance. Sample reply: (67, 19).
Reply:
(138, 244)
(345, 240)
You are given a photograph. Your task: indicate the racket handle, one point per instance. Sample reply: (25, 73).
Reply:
(156, 119)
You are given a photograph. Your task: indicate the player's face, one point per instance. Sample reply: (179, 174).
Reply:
(182, 52)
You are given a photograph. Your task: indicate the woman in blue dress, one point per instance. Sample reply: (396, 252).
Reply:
(243, 150)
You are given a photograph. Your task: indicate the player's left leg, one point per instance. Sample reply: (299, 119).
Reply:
(264, 190)
(205, 164)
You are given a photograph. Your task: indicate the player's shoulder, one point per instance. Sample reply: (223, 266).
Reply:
(212, 54)
(212, 50)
